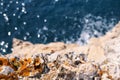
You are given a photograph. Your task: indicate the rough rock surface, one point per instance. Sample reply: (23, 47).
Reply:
(98, 60)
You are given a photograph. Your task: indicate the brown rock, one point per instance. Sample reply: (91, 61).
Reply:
(99, 59)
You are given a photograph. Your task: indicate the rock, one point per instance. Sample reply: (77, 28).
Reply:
(88, 69)
(5, 70)
(97, 60)
(96, 53)
(105, 76)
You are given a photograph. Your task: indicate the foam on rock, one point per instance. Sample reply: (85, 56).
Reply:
(98, 60)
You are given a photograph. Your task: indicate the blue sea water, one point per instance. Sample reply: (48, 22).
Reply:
(44, 21)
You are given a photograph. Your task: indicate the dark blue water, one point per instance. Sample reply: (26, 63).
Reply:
(44, 21)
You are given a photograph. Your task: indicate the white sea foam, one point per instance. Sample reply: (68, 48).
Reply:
(9, 33)
(93, 27)
(6, 17)
(3, 46)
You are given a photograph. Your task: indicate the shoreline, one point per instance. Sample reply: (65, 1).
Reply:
(98, 60)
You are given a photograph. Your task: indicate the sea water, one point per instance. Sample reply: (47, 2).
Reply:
(45, 21)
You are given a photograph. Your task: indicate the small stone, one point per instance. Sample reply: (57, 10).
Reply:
(5, 70)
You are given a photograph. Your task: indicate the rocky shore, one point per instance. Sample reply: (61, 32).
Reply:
(97, 60)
